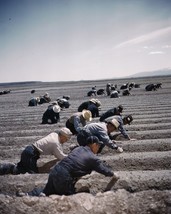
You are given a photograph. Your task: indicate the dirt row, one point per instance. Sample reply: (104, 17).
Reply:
(144, 166)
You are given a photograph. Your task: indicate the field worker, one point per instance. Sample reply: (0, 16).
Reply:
(79, 162)
(108, 89)
(34, 101)
(63, 103)
(45, 98)
(101, 130)
(83, 106)
(94, 106)
(78, 120)
(51, 115)
(92, 92)
(111, 112)
(86, 104)
(49, 145)
(126, 120)
(114, 94)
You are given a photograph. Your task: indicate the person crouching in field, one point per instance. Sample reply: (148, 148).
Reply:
(49, 145)
(79, 162)
(52, 114)
(44, 99)
(92, 105)
(78, 120)
(111, 112)
(34, 101)
(122, 121)
(102, 131)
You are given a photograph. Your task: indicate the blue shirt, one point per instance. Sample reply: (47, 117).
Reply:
(82, 161)
(121, 125)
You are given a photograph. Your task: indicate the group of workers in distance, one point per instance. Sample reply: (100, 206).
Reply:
(67, 169)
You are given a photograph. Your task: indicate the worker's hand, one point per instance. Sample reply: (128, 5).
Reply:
(115, 176)
(132, 139)
(119, 149)
(112, 182)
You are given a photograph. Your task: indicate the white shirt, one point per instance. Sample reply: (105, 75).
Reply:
(50, 145)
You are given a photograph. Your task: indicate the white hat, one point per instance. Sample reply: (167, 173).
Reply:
(66, 132)
(56, 108)
(114, 122)
(38, 99)
(46, 94)
(87, 115)
(96, 102)
(93, 100)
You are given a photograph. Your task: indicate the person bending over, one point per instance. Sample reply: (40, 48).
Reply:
(79, 162)
(49, 145)
(78, 120)
(101, 130)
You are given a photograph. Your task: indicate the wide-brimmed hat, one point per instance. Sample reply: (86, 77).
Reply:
(87, 115)
(93, 139)
(46, 94)
(66, 132)
(93, 100)
(96, 102)
(114, 122)
(56, 108)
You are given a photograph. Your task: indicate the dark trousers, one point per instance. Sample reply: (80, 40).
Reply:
(60, 182)
(71, 127)
(28, 161)
(50, 117)
(35, 192)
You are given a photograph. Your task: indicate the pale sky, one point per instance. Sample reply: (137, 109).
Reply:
(63, 40)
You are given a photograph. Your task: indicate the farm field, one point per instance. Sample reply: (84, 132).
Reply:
(144, 167)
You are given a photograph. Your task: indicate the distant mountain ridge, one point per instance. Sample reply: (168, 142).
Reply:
(161, 72)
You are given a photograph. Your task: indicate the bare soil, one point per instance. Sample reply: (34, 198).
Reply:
(144, 166)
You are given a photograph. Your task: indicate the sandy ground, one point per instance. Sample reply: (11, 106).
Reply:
(144, 166)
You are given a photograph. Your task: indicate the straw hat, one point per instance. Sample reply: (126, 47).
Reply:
(93, 100)
(96, 102)
(114, 122)
(87, 115)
